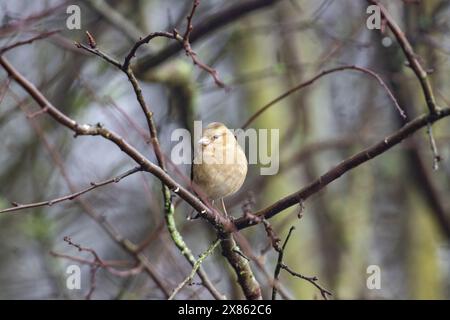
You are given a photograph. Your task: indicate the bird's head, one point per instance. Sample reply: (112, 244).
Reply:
(215, 133)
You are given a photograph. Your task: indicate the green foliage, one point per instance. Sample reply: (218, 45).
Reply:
(37, 226)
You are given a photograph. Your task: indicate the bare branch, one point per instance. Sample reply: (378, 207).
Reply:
(318, 76)
(96, 264)
(414, 63)
(210, 214)
(28, 41)
(72, 196)
(434, 150)
(313, 280)
(241, 266)
(205, 27)
(143, 41)
(99, 53)
(195, 268)
(345, 166)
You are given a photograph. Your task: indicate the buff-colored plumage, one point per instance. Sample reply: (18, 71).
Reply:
(220, 165)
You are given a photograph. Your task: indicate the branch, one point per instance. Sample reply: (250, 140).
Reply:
(179, 242)
(168, 205)
(195, 268)
(96, 264)
(99, 53)
(203, 28)
(72, 196)
(312, 280)
(28, 41)
(100, 130)
(212, 215)
(125, 244)
(107, 265)
(241, 266)
(184, 40)
(143, 41)
(116, 19)
(434, 150)
(94, 267)
(318, 76)
(345, 166)
(414, 63)
(280, 262)
(188, 49)
(281, 265)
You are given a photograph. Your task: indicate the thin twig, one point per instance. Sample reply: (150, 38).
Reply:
(195, 268)
(107, 265)
(207, 25)
(318, 76)
(279, 263)
(116, 19)
(96, 264)
(99, 53)
(168, 205)
(72, 196)
(141, 42)
(93, 282)
(414, 63)
(185, 40)
(94, 267)
(28, 41)
(85, 129)
(343, 167)
(434, 149)
(189, 26)
(313, 280)
(210, 214)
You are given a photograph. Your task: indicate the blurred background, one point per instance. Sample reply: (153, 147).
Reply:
(392, 212)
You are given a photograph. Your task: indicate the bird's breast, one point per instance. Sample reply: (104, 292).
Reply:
(220, 171)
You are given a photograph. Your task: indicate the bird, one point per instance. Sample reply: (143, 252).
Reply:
(219, 166)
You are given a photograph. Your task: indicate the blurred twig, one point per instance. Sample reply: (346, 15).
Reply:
(281, 265)
(312, 280)
(345, 166)
(318, 76)
(28, 41)
(414, 63)
(195, 268)
(72, 196)
(168, 205)
(434, 150)
(279, 262)
(204, 27)
(116, 19)
(96, 264)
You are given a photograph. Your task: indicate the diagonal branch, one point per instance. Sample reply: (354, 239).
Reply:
(28, 41)
(414, 63)
(195, 268)
(280, 265)
(241, 266)
(138, 44)
(345, 166)
(169, 208)
(72, 196)
(318, 76)
(203, 28)
(312, 280)
(279, 262)
(212, 215)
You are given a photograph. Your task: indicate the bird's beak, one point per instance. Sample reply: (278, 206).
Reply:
(204, 141)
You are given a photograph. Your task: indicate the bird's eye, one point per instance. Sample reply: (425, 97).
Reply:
(215, 137)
